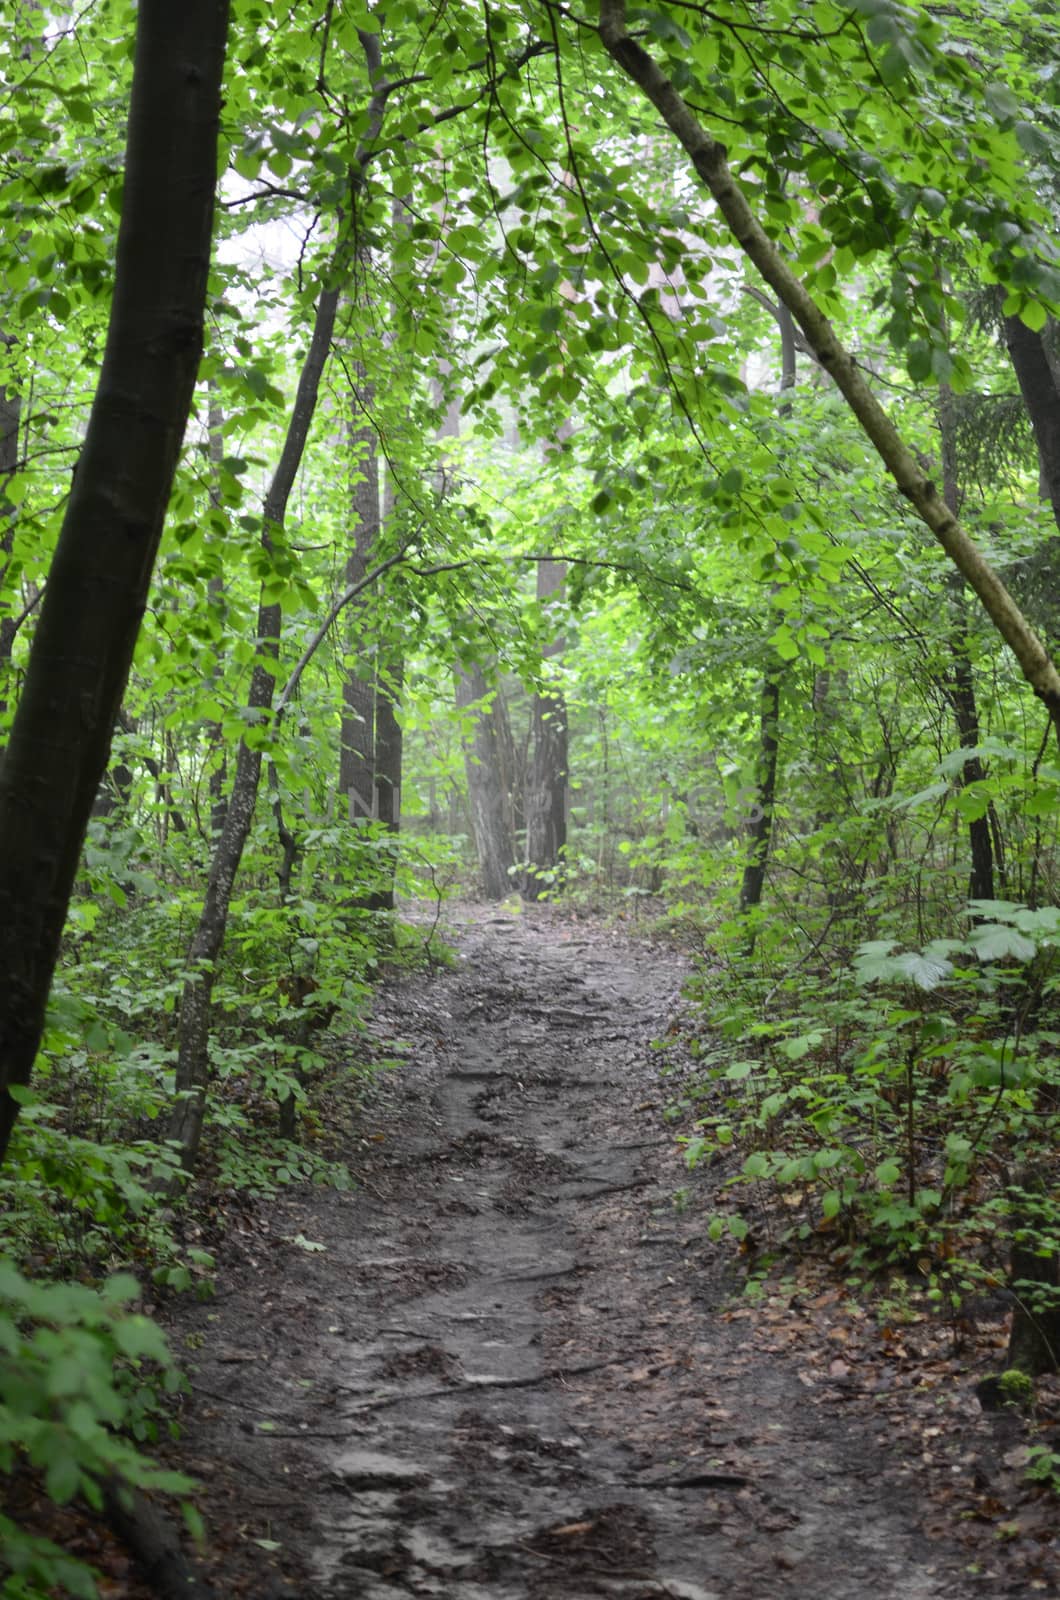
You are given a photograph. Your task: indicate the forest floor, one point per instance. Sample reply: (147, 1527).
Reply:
(508, 1366)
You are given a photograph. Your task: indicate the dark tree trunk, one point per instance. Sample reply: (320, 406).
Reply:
(99, 577)
(1040, 395)
(487, 797)
(962, 684)
(760, 828)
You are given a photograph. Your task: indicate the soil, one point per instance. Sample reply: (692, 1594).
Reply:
(508, 1366)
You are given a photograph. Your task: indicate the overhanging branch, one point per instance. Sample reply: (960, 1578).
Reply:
(709, 159)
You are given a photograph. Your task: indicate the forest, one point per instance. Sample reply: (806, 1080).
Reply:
(602, 463)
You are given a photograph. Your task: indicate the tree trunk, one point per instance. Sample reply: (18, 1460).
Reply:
(215, 590)
(709, 160)
(487, 798)
(760, 829)
(10, 418)
(1038, 387)
(388, 748)
(98, 582)
(358, 736)
(389, 682)
(546, 788)
(193, 1029)
(962, 685)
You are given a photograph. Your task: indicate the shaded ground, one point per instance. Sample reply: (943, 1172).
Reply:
(507, 1367)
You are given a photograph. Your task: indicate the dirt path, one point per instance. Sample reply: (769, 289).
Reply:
(503, 1376)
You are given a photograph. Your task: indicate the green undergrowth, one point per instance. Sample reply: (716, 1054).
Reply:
(887, 1107)
(98, 1222)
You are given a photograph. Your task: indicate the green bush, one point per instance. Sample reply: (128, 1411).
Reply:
(79, 1373)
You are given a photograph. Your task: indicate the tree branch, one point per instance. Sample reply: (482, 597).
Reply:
(709, 159)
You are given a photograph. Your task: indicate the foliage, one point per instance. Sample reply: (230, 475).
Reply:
(80, 1379)
(880, 1097)
(550, 282)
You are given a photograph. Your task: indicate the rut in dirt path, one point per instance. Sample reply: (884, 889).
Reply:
(503, 1377)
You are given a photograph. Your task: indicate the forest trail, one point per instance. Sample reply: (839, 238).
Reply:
(502, 1368)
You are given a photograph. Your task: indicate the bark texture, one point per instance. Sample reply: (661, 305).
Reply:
(99, 577)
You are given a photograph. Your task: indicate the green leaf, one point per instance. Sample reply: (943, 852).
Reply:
(62, 1478)
(1034, 315)
(1001, 102)
(926, 971)
(997, 942)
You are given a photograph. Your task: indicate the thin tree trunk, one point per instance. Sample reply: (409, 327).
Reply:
(388, 748)
(488, 801)
(962, 684)
(10, 418)
(358, 736)
(98, 582)
(390, 680)
(489, 749)
(760, 829)
(546, 788)
(1035, 377)
(193, 1029)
